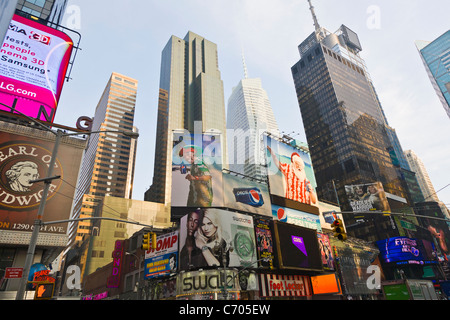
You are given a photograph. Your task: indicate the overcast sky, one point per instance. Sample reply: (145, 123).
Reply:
(128, 36)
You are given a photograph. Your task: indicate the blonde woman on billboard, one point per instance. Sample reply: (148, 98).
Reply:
(211, 240)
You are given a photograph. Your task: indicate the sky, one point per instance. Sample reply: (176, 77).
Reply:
(128, 37)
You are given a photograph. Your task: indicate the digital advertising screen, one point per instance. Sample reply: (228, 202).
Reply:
(297, 217)
(297, 247)
(264, 243)
(33, 64)
(407, 250)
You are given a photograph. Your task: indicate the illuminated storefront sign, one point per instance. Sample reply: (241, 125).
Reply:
(273, 285)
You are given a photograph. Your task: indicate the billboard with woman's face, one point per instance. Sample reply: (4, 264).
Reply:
(24, 159)
(215, 237)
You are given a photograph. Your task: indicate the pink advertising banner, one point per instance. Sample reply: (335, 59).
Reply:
(33, 65)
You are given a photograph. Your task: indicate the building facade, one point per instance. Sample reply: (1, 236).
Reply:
(436, 59)
(345, 126)
(425, 184)
(108, 164)
(190, 97)
(249, 115)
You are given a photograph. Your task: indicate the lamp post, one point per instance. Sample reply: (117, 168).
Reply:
(139, 271)
(37, 223)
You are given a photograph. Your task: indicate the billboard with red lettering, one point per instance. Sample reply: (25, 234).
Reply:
(164, 259)
(33, 64)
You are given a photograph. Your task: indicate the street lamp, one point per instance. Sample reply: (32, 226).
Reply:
(37, 223)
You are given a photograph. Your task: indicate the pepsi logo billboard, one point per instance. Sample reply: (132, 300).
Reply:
(296, 217)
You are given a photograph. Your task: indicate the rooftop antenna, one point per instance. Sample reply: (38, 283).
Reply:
(316, 22)
(245, 65)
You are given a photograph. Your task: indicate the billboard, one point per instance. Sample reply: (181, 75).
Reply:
(264, 243)
(207, 282)
(33, 65)
(325, 284)
(325, 251)
(296, 217)
(297, 247)
(290, 172)
(24, 158)
(275, 285)
(367, 197)
(406, 250)
(196, 170)
(164, 259)
(246, 195)
(215, 237)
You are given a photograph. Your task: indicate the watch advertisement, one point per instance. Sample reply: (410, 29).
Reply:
(214, 237)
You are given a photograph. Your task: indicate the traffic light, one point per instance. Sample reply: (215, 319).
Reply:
(339, 231)
(153, 240)
(44, 291)
(146, 241)
(149, 241)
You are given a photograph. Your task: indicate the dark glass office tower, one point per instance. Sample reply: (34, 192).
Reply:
(344, 123)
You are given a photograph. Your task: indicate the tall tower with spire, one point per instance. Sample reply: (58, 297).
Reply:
(345, 126)
(249, 115)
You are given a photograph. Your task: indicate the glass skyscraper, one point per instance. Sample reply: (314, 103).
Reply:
(436, 58)
(345, 126)
(249, 115)
(190, 97)
(108, 164)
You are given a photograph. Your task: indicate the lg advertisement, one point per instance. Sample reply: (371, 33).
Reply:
(33, 65)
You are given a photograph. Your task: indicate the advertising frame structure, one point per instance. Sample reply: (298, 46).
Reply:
(214, 237)
(33, 65)
(290, 172)
(196, 170)
(367, 197)
(164, 259)
(24, 157)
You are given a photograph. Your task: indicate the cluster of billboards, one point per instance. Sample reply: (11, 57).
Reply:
(33, 64)
(213, 237)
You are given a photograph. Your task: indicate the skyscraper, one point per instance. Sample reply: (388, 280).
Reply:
(108, 165)
(51, 11)
(436, 58)
(190, 97)
(345, 126)
(249, 115)
(425, 184)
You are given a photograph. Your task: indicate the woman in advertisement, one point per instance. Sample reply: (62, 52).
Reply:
(210, 239)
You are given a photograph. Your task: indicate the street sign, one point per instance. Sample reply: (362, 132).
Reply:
(408, 225)
(13, 273)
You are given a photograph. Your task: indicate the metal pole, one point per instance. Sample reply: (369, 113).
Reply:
(37, 222)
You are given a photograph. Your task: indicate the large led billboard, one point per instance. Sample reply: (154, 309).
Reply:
(297, 247)
(367, 197)
(401, 250)
(196, 170)
(214, 237)
(290, 172)
(296, 217)
(33, 65)
(24, 158)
